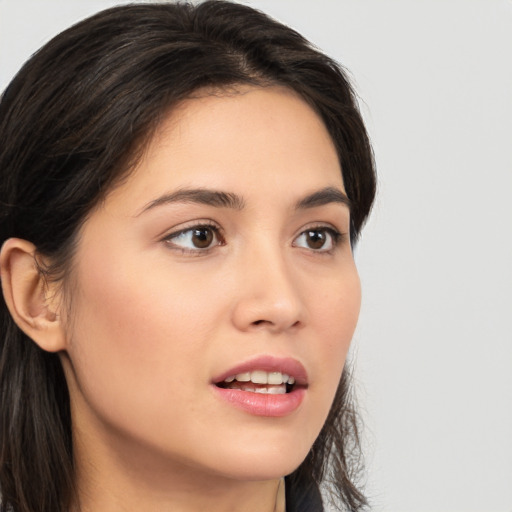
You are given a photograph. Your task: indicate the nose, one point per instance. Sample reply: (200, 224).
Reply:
(268, 296)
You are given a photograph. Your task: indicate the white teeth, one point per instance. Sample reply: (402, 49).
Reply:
(262, 377)
(276, 378)
(248, 388)
(259, 377)
(277, 390)
(274, 390)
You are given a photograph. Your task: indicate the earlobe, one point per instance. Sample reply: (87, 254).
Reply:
(32, 304)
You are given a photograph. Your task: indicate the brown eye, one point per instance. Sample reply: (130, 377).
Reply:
(202, 237)
(195, 239)
(318, 239)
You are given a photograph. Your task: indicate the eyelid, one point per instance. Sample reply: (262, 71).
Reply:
(189, 226)
(338, 236)
(327, 226)
(185, 226)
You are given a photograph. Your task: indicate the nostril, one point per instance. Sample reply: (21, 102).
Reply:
(258, 323)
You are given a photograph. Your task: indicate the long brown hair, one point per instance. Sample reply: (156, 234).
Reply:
(72, 123)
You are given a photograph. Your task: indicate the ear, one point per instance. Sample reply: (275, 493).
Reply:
(33, 303)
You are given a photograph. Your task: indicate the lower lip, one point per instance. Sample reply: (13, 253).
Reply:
(261, 404)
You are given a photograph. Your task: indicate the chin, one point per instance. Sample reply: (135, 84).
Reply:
(267, 463)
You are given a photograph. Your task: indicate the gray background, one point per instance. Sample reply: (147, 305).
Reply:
(433, 351)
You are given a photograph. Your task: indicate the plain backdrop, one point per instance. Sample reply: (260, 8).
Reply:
(433, 351)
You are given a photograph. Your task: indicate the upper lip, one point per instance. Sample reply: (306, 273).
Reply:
(268, 363)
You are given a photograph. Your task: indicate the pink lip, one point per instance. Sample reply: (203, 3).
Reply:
(264, 404)
(286, 365)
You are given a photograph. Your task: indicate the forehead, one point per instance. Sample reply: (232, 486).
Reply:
(252, 138)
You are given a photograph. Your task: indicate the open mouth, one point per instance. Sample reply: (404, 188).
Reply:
(264, 386)
(260, 381)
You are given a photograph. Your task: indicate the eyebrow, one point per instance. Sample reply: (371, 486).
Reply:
(205, 196)
(220, 199)
(322, 197)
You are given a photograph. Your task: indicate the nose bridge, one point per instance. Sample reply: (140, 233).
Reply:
(268, 295)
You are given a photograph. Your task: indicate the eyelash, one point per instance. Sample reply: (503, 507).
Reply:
(216, 230)
(335, 236)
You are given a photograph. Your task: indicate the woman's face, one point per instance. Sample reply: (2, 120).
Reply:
(225, 253)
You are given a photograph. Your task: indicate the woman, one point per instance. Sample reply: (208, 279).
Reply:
(181, 190)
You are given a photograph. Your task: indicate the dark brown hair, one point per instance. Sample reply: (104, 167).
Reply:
(72, 123)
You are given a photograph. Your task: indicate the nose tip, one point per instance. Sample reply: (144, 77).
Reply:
(282, 317)
(270, 302)
(257, 314)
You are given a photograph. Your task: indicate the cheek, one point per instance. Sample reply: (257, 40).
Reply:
(137, 334)
(335, 314)
(336, 310)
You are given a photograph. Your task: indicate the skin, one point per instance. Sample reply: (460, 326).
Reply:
(153, 319)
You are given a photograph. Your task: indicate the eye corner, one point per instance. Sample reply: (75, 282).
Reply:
(182, 239)
(323, 239)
